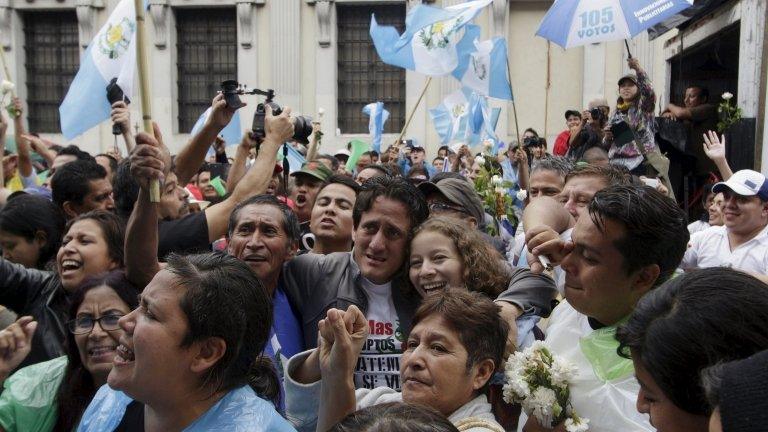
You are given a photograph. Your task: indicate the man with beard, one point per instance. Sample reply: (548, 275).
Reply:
(307, 182)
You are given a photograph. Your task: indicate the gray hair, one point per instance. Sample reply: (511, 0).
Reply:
(561, 165)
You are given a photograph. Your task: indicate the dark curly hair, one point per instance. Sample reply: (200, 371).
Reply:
(394, 188)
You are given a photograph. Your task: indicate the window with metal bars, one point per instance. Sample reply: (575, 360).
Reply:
(52, 58)
(363, 77)
(207, 55)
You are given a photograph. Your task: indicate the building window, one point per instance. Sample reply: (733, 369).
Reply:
(52, 59)
(363, 77)
(207, 55)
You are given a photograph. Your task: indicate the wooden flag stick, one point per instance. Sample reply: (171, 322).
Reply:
(413, 111)
(145, 96)
(514, 107)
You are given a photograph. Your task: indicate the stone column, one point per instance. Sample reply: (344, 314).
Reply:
(285, 39)
(158, 12)
(87, 19)
(6, 14)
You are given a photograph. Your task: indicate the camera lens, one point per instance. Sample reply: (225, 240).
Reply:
(302, 129)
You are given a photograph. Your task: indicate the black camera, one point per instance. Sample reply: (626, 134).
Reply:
(531, 141)
(115, 94)
(596, 114)
(231, 89)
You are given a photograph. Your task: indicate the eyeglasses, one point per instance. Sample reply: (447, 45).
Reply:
(442, 207)
(84, 325)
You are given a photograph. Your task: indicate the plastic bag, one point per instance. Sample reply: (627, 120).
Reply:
(239, 410)
(28, 401)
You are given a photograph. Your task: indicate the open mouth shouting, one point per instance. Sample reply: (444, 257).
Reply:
(69, 266)
(124, 355)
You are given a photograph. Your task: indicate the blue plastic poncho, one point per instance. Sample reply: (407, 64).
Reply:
(240, 410)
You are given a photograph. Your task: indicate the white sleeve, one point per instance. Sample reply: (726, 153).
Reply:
(691, 257)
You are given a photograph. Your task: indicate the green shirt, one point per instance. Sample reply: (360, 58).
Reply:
(28, 401)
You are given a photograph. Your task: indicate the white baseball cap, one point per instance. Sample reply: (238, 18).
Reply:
(746, 183)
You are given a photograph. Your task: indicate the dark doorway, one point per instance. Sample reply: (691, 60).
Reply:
(713, 63)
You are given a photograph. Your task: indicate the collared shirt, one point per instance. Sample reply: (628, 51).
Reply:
(711, 248)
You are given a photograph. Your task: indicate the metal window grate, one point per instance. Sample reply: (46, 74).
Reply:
(207, 55)
(363, 77)
(52, 59)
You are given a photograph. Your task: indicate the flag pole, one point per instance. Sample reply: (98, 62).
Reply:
(514, 107)
(413, 111)
(145, 96)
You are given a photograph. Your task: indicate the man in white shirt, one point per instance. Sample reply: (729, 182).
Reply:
(742, 243)
(630, 240)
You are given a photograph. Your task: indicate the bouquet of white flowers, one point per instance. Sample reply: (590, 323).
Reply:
(538, 380)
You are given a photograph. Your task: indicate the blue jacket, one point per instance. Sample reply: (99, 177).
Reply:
(240, 410)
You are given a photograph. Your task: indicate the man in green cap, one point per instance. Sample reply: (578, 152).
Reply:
(307, 182)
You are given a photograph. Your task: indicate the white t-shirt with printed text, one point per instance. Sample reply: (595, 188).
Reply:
(379, 361)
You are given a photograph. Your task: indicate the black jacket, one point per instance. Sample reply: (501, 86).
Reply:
(315, 283)
(41, 295)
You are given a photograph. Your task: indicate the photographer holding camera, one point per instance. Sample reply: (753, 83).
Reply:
(588, 133)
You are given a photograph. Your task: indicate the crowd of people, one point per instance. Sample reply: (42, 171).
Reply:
(378, 291)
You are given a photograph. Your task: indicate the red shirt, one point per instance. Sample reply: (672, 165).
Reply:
(561, 143)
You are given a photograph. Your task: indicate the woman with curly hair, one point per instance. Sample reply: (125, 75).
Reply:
(446, 254)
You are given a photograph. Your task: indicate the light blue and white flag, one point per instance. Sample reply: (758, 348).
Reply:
(377, 116)
(450, 118)
(111, 54)
(483, 65)
(482, 120)
(428, 44)
(580, 22)
(466, 117)
(232, 134)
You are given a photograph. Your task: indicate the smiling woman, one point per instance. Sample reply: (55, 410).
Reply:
(92, 244)
(53, 395)
(444, 255)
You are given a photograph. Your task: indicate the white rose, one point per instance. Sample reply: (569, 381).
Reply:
(479, 160)
(562, 371)
(573, 426)
(727, 96)
(522, 194)
(541, 403)
(497, 180)
(7, 86)
(499, 190)
(487, 144)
